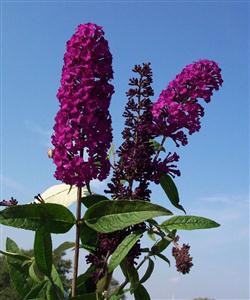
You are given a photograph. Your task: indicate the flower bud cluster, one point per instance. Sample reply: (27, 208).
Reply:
(82, 132)
(177, 107)
(182, 257)
(10, 202)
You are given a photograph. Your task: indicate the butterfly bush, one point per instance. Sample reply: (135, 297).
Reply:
(82, 138)
(82, 132)
(178, 108)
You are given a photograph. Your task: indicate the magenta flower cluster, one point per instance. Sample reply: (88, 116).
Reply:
(177, 107)
(82, 132)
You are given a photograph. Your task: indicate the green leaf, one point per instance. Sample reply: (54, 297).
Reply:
(89, 296)
(111, 151)
(19, 273)
(53, 292)
(34, 273)
(101, 284)
(188, 223)
(16, 255)
(85, 282)
(133, 277)
(149, 270)
(110, 216)
(90, 200)
(160, 246)
(171, 191)
(151, 235)
(122, 250)
(141, 293)
(157, 146)
(43, 251)
(163, 257)
(88, 238)
(35, 291)
(54, 218)
(55, 277)
(63, 247)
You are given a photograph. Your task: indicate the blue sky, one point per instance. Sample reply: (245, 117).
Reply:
(214, 165)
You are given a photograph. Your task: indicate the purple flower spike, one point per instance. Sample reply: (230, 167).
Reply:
(177, 107)
(10, 202)
(82, 132)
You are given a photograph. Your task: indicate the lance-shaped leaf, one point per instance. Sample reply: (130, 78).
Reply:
(43, 251)
(89, 296)
(122, 250)
(90, 200)
(109, 216)
(188, 223)
(157, 146)
(19, 273)
(141, 293)
(171, 191)
(35, 291)
(85, 282)
(35, 274)
(63, 247)
(163, 257)
(133, 277)
(88, 238)
(53, 292)
(18, 256)
(54, 218)
(161, 245)
(149, 270)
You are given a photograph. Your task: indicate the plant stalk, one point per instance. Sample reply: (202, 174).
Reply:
(77, 242)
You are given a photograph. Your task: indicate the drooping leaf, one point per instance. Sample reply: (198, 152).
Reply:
(54, 218)
(34, 273)
(88, 237)
(90, 200)
(160, 246)
(171, 191)
(163, 257)
(63, 247)
(133, 277)
(149, 270)
(55, 277)
(62, 194)
(18, 256)
(43, 251)
(85, 283)
(111, 151)
(122, 250)
(89, 296)
(35, 291)
(101, 284)
(19, 273)
(53, 292)
(188, 223)
(151, 235)
(141, 293)
(109, 216)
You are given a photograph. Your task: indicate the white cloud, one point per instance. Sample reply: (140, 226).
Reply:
(12, 184)
(45, 135)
